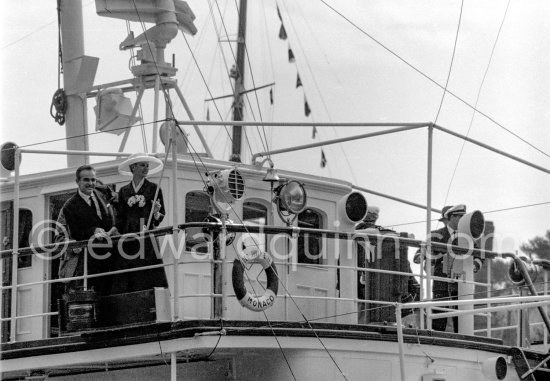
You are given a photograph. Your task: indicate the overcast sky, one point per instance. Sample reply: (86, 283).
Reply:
(347, 76)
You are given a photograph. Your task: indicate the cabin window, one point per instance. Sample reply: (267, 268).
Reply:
(197, 208)
(25, 227)
(310, 248)
(255, 214)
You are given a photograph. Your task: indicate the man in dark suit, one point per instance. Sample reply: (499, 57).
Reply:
(86, 217)
(442, 262)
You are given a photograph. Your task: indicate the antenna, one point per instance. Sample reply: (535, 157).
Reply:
(168, 15)
(153, 71)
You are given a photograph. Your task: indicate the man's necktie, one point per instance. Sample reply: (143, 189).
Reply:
(94, 205)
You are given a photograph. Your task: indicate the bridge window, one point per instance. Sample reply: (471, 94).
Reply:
(25, 227)
(310, 248)
(255, 214)
(197, 208)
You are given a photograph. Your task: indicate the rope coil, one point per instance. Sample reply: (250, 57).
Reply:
(59, 102)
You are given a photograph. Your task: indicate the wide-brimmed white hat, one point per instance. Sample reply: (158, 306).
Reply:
(155, 165)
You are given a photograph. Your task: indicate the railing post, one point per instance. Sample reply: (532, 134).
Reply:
(223, 278)
(400, 341)
(175, 316)
(427, 258)
(489, 294)
(15, 246)
(85, 268)
(545, 272)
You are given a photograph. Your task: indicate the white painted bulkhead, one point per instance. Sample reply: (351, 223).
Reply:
(260, 358)
(297, 281)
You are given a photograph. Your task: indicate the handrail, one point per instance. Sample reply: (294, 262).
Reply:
(242, 228)
(214, 226)
(523, 269)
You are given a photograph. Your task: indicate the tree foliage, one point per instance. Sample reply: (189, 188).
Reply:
(538, 247)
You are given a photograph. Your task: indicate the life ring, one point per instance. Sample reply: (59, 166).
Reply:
(245, 298)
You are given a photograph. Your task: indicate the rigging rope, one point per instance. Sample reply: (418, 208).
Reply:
(319, 93)
(477, 101)
(431, 79)
(206, 85)
(227, 67)
(488, 212)
(59, 100)
(452, 61)
(355, 312)
(340, 145)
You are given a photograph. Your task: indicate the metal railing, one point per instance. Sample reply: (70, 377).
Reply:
(344, 269)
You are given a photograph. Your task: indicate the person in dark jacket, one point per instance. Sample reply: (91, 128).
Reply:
(85, 216)
(140, 207)
(442, 263)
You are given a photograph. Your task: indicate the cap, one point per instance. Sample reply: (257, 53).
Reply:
(443, 211)
(373, 209)
(457, 209)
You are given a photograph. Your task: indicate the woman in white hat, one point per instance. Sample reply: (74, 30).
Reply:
(136, 203)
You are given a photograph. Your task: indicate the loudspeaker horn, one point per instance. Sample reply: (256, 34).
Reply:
(7, 159)
(470, 228)
(495, 368)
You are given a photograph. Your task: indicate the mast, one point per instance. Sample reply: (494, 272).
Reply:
(76, 122)
(239, 85)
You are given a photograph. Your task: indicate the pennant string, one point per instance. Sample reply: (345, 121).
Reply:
(282, 33)
(291, 55)
(307, 110)
(298, 80)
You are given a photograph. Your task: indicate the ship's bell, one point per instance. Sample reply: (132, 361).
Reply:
(271, 175)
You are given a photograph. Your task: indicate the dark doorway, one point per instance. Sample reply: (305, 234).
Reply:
(57, 289)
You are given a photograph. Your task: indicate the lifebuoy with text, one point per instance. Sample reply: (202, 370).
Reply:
(245, 298)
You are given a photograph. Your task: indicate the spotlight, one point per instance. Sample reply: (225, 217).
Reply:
(291, 199)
